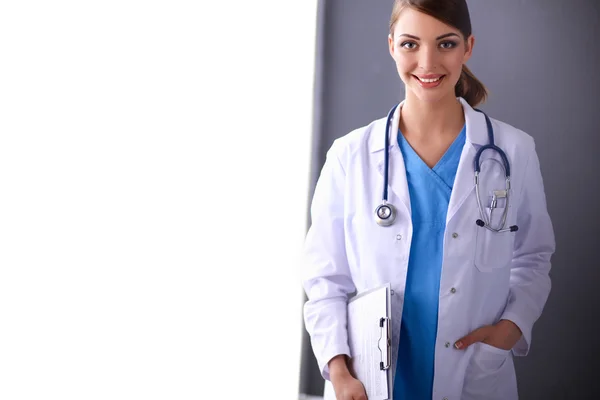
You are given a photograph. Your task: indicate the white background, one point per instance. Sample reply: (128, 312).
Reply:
(154, 168)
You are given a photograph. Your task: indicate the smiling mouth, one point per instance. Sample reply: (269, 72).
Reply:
(430, 80)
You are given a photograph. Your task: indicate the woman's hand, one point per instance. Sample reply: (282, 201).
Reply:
(346, 386)
(503, 335)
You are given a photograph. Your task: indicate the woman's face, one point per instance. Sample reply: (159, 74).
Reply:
(429, 55)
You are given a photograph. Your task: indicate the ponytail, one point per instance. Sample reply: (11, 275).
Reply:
(470, 88)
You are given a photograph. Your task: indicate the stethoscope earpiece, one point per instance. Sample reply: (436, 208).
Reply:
(512, 228)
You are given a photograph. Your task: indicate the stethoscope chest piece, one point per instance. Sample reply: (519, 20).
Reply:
(385, 214)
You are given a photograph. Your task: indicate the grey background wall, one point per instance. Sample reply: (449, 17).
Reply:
(540, 61)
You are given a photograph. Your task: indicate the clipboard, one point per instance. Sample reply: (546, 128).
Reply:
(370, 341)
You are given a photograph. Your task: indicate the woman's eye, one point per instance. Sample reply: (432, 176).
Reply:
(408, 45)
(447, 45)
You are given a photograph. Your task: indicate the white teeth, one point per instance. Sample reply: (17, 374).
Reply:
(429, 80)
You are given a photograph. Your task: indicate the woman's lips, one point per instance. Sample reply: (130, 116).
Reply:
(429, 81)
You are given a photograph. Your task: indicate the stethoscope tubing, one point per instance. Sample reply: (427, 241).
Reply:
(383, 220)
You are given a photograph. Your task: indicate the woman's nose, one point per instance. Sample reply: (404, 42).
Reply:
(428, 59)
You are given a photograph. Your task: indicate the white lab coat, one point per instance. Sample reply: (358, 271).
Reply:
(485, 276)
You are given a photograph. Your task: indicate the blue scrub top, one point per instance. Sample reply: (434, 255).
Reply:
(430, 190)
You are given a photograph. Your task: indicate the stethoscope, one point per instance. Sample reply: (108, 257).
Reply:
(385, 213)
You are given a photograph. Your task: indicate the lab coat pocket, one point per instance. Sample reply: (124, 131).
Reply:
(493, 249)
(489, 357)
(490, 374)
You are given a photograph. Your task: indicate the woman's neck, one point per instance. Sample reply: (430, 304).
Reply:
(427, 120)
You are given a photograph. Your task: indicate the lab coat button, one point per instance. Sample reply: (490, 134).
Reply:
(453, 290)
(455, 235)
(398, 237)
(445, 398)
(447, 344)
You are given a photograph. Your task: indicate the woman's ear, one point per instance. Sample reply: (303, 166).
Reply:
(469, 43)
(391, 45)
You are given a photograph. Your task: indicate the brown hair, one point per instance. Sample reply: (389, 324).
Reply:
(454, 13)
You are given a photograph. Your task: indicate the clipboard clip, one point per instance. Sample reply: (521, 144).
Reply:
(384, 324)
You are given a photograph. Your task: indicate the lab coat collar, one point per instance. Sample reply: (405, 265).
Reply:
(475, 121)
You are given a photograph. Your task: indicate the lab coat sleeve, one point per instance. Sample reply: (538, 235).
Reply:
(534, 245)
(325, 272)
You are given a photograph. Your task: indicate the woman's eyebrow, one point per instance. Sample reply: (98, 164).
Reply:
(445, 35)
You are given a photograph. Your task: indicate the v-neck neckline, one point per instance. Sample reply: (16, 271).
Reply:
(443, 159)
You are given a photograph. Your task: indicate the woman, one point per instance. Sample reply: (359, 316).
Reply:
(465, 296)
